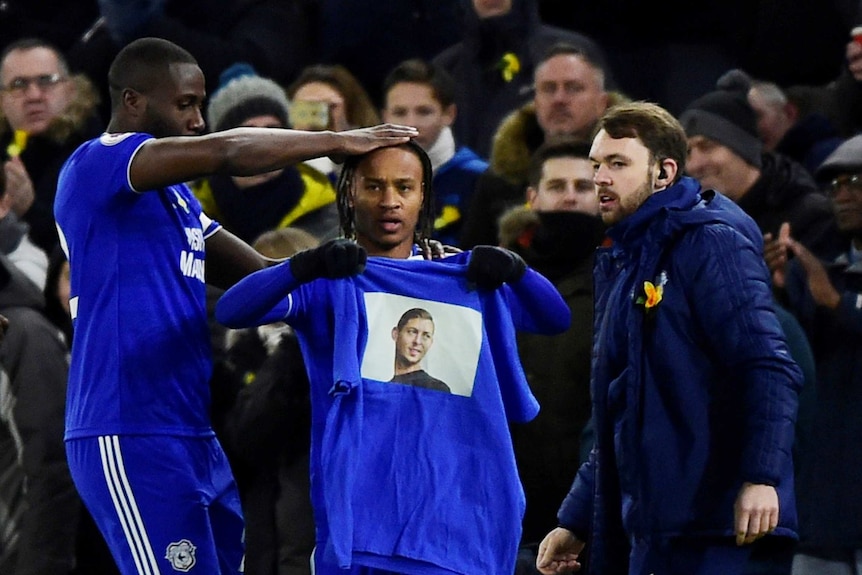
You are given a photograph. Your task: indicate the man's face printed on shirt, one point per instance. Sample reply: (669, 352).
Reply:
(412, 342)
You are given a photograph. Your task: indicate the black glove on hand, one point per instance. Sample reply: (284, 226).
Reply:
(337, 258)
(490, 267)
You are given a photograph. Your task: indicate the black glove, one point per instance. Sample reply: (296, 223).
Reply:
(490, 267)
(337, 258)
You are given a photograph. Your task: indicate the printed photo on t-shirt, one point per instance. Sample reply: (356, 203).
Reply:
(423, 343)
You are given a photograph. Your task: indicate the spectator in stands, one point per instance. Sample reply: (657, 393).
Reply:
(45, 113)
(329, 97)
(825, 296)
(503, 43)
(297, 196)
(569, 98)
(556, 233)
(40, 508)
(265, 426)
(725, 153)
(419, 94)
(786, 127)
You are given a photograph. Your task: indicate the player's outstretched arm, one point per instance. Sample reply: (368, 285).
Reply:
(247, 151)
(251, 301)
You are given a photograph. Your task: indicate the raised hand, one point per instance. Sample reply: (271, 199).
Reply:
(775, 254)
(436, 250)
(491, 266)
(336, 258)
(19, 186)
(819, 284)
(364, 140)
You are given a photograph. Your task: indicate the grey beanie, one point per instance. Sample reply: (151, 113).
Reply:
(243, 98)
(846, 159)
(726, 117)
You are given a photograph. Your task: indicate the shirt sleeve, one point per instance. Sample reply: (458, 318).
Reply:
(537, 306)
(259, 298)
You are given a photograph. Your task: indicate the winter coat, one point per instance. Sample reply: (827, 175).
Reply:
(264, 423)
(44, 155)
(694, 392)
(484, 96)
(41, 508)
(829, 468)
(786, 192)
(454, 183)
(299, 197)
(560, 246)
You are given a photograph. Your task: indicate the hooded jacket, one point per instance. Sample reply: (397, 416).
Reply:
(694, 391)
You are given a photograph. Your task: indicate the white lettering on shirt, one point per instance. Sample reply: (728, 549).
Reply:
(191, 266)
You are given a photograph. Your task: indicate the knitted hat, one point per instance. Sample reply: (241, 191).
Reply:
(846, 159)
(726, 117)
(243, 97)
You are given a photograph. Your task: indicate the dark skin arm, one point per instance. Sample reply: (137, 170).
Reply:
(229, 259)
(247, 151)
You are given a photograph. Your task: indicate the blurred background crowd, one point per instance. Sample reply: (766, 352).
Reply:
(505, 95)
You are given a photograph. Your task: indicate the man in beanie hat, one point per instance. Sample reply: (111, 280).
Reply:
(725, 153)
(827, 298)
(297, 196)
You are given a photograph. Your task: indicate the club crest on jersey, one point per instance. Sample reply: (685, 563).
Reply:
(181, 555)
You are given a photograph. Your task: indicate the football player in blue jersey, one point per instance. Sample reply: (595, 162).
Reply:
(374, 512)
(139, 441)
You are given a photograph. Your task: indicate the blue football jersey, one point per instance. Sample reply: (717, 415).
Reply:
(141, 356)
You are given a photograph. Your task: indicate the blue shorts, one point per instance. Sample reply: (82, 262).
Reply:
(164, 504)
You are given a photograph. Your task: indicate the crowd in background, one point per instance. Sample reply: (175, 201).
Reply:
(770, 96)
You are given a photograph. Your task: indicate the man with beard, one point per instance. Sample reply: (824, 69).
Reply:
(694, 391)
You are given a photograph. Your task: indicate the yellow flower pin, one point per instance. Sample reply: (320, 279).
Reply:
(17, 145)
(449, 215)
(509, 66)
(653, 294)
